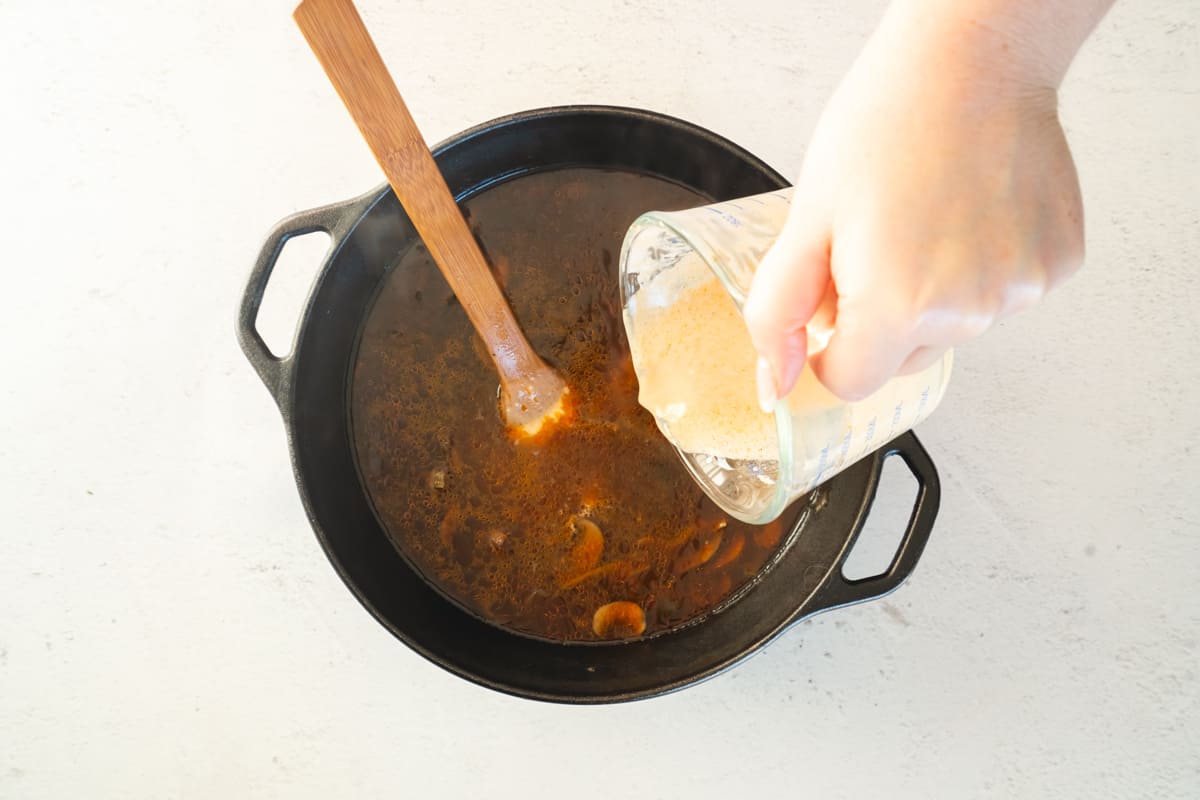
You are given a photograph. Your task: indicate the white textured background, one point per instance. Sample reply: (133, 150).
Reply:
(170, 628)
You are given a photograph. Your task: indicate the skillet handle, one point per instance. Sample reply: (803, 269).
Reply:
(837, 590)
(335, 220)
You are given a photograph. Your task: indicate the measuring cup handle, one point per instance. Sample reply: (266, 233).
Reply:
(837, 591)
(336, 220)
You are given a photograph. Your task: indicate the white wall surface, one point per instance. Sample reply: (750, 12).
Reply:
(170, 628)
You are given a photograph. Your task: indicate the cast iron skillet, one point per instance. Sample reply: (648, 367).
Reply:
(311, 388)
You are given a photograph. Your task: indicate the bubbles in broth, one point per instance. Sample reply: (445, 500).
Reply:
(590, 531)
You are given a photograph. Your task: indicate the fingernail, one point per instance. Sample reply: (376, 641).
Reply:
(795, 354)
(768, 397)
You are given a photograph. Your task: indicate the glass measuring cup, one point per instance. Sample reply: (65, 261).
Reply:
(684, 279)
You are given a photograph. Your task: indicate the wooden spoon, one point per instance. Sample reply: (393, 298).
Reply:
(531, 392)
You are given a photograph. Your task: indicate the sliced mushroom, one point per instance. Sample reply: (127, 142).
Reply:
(733, 549)
(622, 570)
(589, 540)
(619, 620)
(682, 538)
(437, 479)
(585, 552)
(495, 540)
(705, 549)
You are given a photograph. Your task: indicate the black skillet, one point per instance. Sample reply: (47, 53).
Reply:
(311, 389)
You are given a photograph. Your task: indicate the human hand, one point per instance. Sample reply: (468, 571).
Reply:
(937, 196)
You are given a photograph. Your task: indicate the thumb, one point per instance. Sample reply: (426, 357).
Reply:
(787, 289)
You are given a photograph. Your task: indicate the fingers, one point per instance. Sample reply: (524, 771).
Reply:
(787, 289)
(863, 354)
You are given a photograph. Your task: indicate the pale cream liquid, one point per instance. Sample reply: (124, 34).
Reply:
(696, 370)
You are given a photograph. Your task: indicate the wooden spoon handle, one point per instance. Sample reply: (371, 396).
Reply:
(337, 36)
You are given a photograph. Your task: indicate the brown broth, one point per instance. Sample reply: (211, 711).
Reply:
(573, 534)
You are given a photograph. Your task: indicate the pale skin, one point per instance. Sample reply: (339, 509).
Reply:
(937, 195)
